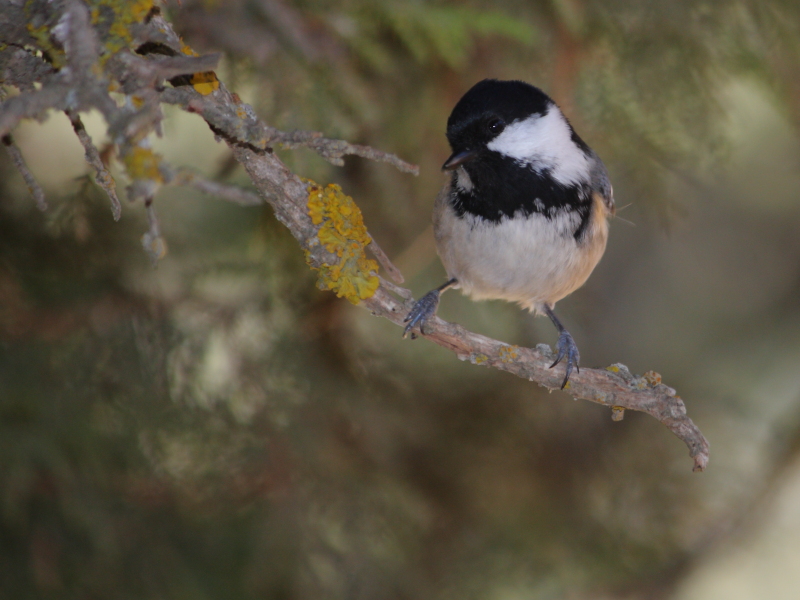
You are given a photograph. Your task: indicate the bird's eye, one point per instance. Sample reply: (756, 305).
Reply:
(495, 125)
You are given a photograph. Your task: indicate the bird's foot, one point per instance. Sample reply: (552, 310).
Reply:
(423, 310)
(566, 348)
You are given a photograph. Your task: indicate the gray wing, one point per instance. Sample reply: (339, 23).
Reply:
(600, 183)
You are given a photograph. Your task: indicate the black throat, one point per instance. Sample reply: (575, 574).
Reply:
(504, 188)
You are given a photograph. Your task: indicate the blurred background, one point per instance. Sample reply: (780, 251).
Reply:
(216, 427)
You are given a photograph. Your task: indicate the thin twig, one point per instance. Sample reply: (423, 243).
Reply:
(153, 243)
(232, 193)
(396, 289)
(19, 162)
(378, 253)
(92, 155)
(238, 124)
(335, 150)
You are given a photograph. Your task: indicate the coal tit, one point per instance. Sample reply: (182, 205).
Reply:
(524, 214)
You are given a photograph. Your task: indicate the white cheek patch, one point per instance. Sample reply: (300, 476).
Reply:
(545, 142)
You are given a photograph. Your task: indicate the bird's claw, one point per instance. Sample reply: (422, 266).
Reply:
(566, 348)
(423, 310)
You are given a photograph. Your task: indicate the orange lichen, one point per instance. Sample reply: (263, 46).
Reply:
(509, 353)
(652, 378)
(342, 232)
(205, 83)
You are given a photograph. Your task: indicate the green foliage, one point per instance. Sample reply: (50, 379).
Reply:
(431, 33)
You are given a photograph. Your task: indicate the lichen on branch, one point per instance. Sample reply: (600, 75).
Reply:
(342, 233)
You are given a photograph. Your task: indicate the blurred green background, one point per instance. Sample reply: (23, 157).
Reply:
(217, 427)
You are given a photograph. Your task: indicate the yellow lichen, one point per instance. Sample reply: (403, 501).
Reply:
(509, 353)
(613, 369)
(118, 16)
(479, 359)
(112, 18)
(342, 232)
(55, 54)
(205, 83)
(652, 378)
(186, 49)
(143, 163)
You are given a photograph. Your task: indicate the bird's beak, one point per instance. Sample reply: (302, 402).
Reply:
(457, 159)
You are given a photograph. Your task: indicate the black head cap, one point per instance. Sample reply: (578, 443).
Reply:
(489, 106)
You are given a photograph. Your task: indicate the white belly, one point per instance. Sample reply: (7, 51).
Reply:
(532, 260)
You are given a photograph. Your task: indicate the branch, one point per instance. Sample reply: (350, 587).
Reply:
(92, 155)
(153, 243)
(238, 124)
(614, 387)
(232, 193)
(77, 87)
(393, 271)
(19, 162)
(334, 150)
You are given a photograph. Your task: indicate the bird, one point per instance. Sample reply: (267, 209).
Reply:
(523, 215)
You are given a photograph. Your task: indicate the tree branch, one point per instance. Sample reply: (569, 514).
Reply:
(232, 193)
(92, 155)
(80, 83)
(614, 387)
(19, 162)
(153, 243)
(238, 124)
(386, 263)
